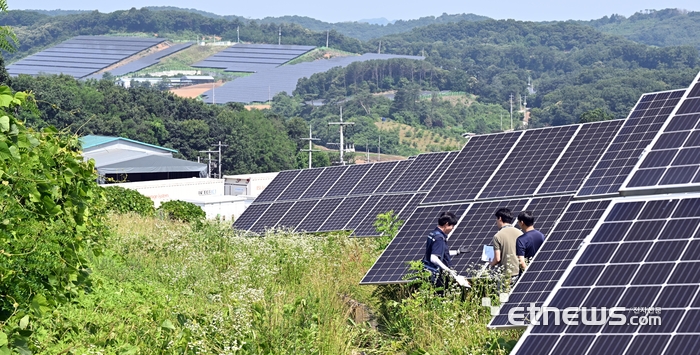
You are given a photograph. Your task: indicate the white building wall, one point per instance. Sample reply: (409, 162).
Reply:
(176, 189)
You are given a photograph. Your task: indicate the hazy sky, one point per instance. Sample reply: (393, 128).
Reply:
(349, 10)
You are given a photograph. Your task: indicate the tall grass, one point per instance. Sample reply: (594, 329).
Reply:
(168, 288)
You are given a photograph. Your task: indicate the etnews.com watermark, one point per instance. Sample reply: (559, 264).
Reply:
(534, 315)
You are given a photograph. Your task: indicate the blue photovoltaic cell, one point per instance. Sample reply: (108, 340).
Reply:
(277, 186)
(472, 168)
(347, 182)
(554, 256)
(513, 179)
(315, 219)
(240, 56)
(296, 214)
(395, 177)
(388, 203)
(271, 216)
(250, 216)
(325, 181)
(640, 128)
(408, 245)
(418, 172)
(653, 263)
(578, 160)
(437, 174)
(344, 213)
(374, 177)
(300, 184)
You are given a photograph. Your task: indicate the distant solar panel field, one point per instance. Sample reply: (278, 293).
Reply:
(82, 55)
(253, 57)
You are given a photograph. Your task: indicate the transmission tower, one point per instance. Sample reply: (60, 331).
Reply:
(310, 150)
(342, 125)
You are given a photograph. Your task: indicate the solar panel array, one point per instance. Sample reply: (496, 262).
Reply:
(342, 197)
(264, 84)
(146, 61)
(82, 55)
(253, 57)
(643, 254)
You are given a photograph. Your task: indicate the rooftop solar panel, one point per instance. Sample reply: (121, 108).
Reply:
(417, 173)
(578, 160)
(277, 186)
(553, 258)
(376, 175)
(514, 179)
(640, 128)
(643, 253)
(472, 168)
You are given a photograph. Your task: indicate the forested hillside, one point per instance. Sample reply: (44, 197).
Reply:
(668, 27)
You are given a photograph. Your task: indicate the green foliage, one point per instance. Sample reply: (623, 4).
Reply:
(387, 225)
(50, 221)
(182, 211)
(595, 115)
(122, 200)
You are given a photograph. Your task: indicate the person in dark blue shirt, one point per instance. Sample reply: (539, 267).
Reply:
(527, 245)
(437, 253)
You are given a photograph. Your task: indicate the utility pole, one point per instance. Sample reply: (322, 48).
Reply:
(379, 51)
(501, 121)
(379, 148)
(367, 149)
(341, 124)
(327, 35)
(310, 150)
(208, 160)
(238, 34)
(279, 39)
(220, 145)
(511, 112)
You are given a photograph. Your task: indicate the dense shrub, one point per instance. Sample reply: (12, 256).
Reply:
(182, 211)
(123, 200)
(48, 223)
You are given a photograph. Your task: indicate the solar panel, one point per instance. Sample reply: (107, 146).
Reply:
(271, 216)
(640, 128)
(435, 176)
(554, 256)
(319, 215)
(408, 245)
(302, 182)
(344, 213)
(515, 179)
(472, 168)
(395, 176)
(236, 57)
(277, 186)
(296, 214)
(376, 175)
(348, 180)
(250, 216)
(674, 158)
(643, 254)
(325, 181)
(477, 229)
(416, 175)
(578, 160)
(362, 212)
(388, 203)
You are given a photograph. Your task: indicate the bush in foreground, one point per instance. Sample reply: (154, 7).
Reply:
(122, 200)
(182, 211)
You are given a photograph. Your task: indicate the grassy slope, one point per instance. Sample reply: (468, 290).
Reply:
(165, 288)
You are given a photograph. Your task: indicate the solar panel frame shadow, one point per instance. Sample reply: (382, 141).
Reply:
(408, 245)
(344, 213)
(478, 160)
(277, 186)
(415, 176)
(374, 177)
(651, 263)
(673, 162)
(250, 216)
(388, 203)
(556, 253)
(577, 161)
(512, 179)
(272, 215)
(641, 126)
